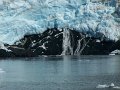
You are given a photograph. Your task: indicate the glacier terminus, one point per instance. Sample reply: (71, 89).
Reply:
(95, 20)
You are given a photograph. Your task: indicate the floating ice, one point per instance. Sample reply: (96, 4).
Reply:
(1, 70)
(108, 86)
(102, 86)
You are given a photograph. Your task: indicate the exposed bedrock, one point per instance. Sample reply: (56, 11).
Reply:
(60, 42)
(4, 53)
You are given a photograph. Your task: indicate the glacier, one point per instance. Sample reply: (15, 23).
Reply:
(24, 17)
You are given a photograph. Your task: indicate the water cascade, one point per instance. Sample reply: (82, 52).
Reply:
(67, 45)
(73, 44)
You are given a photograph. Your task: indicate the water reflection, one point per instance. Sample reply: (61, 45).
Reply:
(62, 70)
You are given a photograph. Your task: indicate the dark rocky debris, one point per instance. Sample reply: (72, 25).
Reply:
(59, 42)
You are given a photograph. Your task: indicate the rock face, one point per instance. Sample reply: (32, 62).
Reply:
(97, 47)
(47, 43)
(4, 53)
(59, 42)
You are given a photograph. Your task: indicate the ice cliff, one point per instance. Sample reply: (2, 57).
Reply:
(21, 17)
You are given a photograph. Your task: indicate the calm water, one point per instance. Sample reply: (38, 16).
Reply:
(59, 73)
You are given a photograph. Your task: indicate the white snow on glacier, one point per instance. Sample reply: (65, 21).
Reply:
(20, 17)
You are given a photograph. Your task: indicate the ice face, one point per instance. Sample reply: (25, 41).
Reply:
(20, 17)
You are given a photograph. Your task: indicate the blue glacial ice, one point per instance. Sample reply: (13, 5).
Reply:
(20, 17)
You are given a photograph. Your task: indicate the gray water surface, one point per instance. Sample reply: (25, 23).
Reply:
(59, 72)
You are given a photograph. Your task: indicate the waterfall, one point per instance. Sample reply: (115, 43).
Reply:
(67, 47)
(79, 48)
(73, 45)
